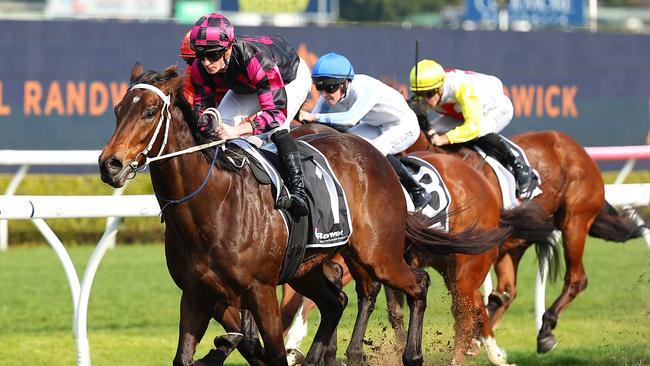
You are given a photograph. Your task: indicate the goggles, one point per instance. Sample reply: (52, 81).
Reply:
(328, 88)
(429, 93)
(212, 56)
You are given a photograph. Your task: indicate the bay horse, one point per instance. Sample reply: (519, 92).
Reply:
(225, 241)
(573, 193)
(474, 201)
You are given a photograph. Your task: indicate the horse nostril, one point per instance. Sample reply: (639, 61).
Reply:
(113, 165)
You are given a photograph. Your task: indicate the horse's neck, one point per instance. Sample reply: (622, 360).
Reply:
(177, 177)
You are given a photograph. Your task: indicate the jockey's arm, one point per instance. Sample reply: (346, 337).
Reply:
(472, 110)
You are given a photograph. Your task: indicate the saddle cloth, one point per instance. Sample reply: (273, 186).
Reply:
(329, 222)
(429, 178)
(506, 178)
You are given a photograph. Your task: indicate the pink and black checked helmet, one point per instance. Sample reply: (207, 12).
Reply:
(212, 32)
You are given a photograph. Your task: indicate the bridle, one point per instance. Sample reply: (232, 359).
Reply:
(165, 117)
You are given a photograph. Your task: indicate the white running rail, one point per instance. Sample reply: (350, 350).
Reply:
(38, 208)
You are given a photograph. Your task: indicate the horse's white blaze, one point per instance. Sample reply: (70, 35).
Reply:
(495, 354)
(135, 99)
(298, 330)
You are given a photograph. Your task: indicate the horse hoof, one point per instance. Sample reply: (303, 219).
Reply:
(228, 341)
(295, 357)
(356, 359)
(546, 344)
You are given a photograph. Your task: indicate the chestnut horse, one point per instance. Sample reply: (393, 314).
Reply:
(573, 193)
(474, 201)
(225, 241)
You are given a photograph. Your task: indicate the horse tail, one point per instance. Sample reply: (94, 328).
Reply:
(616, 226)
(423, 237)
(531, 223)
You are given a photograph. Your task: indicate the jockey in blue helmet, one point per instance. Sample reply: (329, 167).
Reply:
(368, 108)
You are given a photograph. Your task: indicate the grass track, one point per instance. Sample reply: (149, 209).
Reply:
(133, 312)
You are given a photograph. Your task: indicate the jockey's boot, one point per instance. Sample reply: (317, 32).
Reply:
(419, 195)
(290, 159)
(494, 145)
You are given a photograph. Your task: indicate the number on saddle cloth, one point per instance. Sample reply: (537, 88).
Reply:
(429, 178)
(329, 222)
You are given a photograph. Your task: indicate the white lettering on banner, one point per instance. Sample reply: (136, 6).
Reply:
(110, 8)
(541, 6)
(486, 6)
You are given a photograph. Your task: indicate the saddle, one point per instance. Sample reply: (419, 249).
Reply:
(505, 176)
(329, 223)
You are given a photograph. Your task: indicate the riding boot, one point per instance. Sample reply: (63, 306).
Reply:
(420, 196)
(494, 145)
(290, 159)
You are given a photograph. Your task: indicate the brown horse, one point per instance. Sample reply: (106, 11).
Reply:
(474, 201)
(573, 192)
(225, 242)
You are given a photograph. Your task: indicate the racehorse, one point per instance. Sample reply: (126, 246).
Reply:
(573, 192)
(474, 201)
(225, 241)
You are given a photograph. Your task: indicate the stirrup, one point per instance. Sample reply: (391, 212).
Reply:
(421, 199)
(293, 204)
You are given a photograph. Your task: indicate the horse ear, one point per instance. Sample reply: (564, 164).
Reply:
(170, 68)
(174, 84)
(136, 71)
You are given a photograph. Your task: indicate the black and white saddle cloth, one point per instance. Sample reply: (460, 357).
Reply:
(506, 177)
(330, 223)
(429, 178)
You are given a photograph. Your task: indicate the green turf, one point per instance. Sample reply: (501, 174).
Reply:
(133, 313)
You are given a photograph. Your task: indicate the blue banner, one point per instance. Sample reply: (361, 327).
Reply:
(60, 79)
(536, 12)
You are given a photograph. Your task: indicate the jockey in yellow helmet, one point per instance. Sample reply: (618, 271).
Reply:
(472, 107)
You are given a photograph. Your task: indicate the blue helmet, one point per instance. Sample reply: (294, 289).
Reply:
(333, 66)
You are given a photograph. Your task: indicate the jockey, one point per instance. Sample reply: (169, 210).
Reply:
(473, 106)
(188, 55)
(370, 109)
(258, 84)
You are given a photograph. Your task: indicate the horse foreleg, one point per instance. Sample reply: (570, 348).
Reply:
(195, 317)
(417, 301)
(575, 280)
(367, 291)
(262, 301)
(505, 293)
(395, 303)
(323, 285)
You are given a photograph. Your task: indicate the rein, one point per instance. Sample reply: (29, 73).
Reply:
(165, 116)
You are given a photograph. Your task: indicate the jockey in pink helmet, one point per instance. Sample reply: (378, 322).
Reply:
(257, 83)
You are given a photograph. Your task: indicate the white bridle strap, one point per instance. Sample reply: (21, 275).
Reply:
(165, 116)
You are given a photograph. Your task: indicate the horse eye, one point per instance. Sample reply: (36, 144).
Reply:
(150, 113)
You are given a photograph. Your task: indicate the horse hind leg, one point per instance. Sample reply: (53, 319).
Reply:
(414, 282)
(367, 290)
(323, 285)
(574, 233)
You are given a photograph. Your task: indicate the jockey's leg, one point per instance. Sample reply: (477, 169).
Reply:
(290, 158)
(420, 196)
(494, 145)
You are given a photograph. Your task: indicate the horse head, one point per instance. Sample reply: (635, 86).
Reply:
(143, 118)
